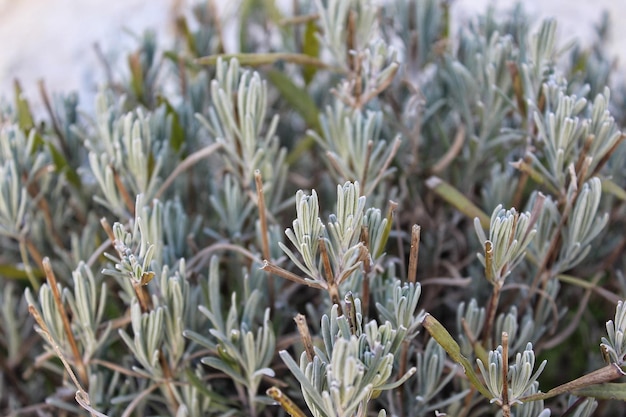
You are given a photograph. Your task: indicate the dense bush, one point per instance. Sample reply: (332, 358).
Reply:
(155, 249)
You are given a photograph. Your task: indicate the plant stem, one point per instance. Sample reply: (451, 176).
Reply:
(264, 234)
(506, 407)
(333, 289)
(285, 402)
(52, 282)
(414, 253)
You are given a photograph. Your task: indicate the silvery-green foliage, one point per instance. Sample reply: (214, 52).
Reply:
(240, 347)
(332, 20)
(344, 230)
(547, 222)
(305, 233)
(519, 331)
(15, 324)
(177, 230)
(146, 340)
(483, 75)
(419, 24)
(341, 235)
(377, 231)
(237, 120)
(430, 380)
(545, 315)
(466, 106)
(377, 66)
(502, 184)
(615, 344)
(232, 206)
(50, 314)
(355, 150)
(585, 409)
(568, 126)
(20, 164)
(583, 226)
(398, 305)
(179, 299)
(474, 318)
(87, 303)
(130, 147)
(509, 234)
(531, 408)
(520, 376)
(538, 59)
(13, 202)
(355, 365)
(137, 249)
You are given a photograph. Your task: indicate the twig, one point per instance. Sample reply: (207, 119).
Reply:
(285, 402)
(264, 238)
(332, 288)
(217, 22)
(27, 247)
(53, 119)
(186, 164)
(46, 332)
(367, 269)
(506, 407)
(137, 400)
(296, 20)
(414, 253)
(197, 259)
(305, 335)
(452, 152)
(269, 58)
(368, 155)
(123, 191)
(52, 282)
(281, 272)
(383, 170)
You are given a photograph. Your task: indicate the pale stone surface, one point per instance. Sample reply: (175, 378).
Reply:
(53, 39)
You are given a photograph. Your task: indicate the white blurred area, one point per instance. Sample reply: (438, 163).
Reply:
(54, 39)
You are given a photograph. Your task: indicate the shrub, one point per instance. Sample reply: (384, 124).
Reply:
(166, 271)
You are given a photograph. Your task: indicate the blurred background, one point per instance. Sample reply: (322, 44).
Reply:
(54, 40)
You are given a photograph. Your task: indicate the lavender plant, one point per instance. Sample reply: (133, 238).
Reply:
(235, 234)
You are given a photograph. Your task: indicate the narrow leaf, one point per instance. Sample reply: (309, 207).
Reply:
(25, 118)
(310, 47)
(177, 134)
(298, 98)
(457, 200)
(609, 186)
(62, 166)
(609, 391)
(447, 342)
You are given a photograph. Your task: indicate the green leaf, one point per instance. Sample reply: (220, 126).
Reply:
(218, 402)
(177, 134)
(447, 342)
(136, 71)
(310, 47)
(269, 58)
(62, 166)
(224, 367)
(25, 118)
(457, 200)
(183, 28)
(297, 97)
(11, 271)
(609, 186)
(589, 381)
(609, 391)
